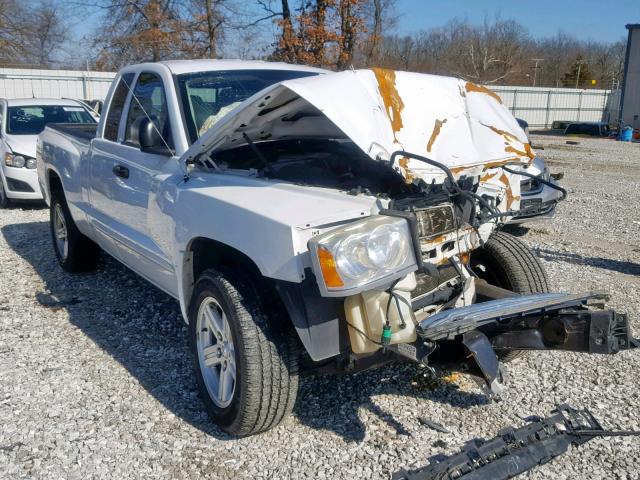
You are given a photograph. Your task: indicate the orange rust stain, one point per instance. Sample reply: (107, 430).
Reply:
(510, 196)
(504, 133)
(510, 137)
(438, 239)
(487, 176)
(529, 150)
(392, 101)
(436, 131)
(457, 170)
(522, 153)
(501, 163)
(472, 87)
(404, 164)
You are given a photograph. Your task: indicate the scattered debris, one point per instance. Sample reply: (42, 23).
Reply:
(515, 451)
(572, 142)
(432, 425)
(55, 302)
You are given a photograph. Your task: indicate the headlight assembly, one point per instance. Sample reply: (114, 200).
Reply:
(363, 255)
(19, 161)
(11, 160)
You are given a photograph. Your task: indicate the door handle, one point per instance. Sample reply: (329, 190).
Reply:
(121, 171)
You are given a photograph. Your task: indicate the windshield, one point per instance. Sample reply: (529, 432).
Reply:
(209, 96)
(30, 120)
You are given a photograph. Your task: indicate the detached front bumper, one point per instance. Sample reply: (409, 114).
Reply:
(549, 321)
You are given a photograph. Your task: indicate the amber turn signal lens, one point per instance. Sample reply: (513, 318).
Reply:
(329, 271)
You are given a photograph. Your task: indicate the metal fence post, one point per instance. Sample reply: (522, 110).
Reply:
(579, 103)
(546, 118)
(84, 87)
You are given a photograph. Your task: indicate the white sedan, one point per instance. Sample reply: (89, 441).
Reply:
(21, 120)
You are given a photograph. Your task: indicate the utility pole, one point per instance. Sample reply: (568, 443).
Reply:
(535, 69)
(578, 76)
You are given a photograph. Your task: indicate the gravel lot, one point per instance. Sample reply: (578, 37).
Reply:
(99, 385)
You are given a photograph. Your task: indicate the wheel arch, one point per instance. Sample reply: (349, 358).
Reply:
(202, 253)
(53, 182)
(316, 319)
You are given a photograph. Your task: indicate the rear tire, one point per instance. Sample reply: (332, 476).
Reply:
(507, 262)
(75, 252)
(231, 331)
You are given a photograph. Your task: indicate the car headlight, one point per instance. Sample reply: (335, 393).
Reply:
(31, 163)
(12, 160)
(363, 255)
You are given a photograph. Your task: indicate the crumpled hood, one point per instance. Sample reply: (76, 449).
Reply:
(457, 123)
(22, 144)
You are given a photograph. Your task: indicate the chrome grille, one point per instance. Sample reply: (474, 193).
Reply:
(435, 221)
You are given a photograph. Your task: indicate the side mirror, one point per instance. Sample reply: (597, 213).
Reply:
(150, 139)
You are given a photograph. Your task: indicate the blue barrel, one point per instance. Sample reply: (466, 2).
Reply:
(626, 134)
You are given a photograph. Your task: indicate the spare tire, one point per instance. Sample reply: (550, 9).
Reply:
(507, 262)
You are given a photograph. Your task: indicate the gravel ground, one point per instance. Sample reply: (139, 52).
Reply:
(99, 385)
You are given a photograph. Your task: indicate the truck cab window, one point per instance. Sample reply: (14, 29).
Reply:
(208, 96)
(115, 110)
(148, 100)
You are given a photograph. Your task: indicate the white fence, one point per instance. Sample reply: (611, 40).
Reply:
(540, 106)
(537, 105)
(27, 83)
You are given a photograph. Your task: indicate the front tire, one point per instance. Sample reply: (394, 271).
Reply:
(246, 361)
(75, 252)
(507, 262)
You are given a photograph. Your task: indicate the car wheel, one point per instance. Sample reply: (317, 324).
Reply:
(507, 262)
(75, 252)
(5, 202)
(246, 361)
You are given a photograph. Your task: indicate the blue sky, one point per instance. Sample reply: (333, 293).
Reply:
(585, 19)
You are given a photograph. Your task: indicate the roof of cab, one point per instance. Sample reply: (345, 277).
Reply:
(178, 67)
(26, 102)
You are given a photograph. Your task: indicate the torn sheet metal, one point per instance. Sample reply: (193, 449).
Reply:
(514, 450)
(459, 124)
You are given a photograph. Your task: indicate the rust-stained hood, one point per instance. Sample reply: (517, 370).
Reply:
(460, 124)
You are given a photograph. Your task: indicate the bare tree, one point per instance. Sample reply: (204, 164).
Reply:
(141, 30)
(47, 32)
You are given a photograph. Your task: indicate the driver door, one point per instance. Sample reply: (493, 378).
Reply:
(129, 174)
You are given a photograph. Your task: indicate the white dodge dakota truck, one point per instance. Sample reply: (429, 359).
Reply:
(313, 221)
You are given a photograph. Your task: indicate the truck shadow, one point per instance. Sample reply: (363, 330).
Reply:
(620, 266)
(141, 327)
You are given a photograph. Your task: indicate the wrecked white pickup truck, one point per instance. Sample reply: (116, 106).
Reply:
(313, 221)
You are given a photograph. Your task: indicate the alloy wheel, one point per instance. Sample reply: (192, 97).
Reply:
(61, 232)
(216, 352)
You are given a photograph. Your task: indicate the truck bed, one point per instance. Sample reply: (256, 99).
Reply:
(84, 131)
